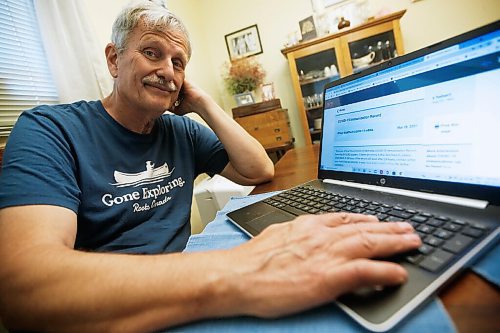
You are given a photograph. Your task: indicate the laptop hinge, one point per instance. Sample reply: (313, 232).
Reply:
(467, 202)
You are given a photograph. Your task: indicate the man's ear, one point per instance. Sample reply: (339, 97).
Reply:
(112, 59)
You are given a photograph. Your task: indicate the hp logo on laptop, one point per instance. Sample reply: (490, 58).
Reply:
(382, 181)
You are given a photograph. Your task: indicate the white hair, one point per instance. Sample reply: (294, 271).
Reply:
(155, 16)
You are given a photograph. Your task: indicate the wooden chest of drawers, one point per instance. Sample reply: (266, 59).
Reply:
(267, 122)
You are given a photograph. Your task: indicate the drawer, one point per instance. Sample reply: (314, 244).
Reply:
(270, 128)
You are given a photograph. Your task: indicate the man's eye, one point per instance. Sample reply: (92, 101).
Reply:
(149, 53)
(178, 64)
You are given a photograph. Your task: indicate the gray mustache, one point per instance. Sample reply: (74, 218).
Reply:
(160, 83)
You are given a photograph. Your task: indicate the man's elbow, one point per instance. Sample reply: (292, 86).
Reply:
(257, 174)
(266, 174)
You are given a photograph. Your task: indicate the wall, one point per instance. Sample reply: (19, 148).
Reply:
(425, 22)
(275, 19)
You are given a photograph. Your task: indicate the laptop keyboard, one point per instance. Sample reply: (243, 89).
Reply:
(443, 238)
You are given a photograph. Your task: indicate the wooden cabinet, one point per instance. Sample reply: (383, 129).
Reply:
(268, 122)
(319, 61)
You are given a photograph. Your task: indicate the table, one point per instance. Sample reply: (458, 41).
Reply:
(277, 152)
(472, 302)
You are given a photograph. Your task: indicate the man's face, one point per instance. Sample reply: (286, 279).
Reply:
(150, 71)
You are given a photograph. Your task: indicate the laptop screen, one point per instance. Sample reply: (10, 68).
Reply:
(433, 116)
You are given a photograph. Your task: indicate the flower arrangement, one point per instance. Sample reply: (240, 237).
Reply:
(243, 75)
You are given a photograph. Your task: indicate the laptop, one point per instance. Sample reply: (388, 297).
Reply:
(415, 139)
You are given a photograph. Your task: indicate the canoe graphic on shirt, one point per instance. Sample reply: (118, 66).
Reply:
(149, 176)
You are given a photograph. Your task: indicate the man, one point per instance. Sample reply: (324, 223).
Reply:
(84, 180)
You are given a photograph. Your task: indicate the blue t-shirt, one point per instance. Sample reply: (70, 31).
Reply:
(132, 192)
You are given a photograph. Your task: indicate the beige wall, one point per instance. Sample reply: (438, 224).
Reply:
(425, 22)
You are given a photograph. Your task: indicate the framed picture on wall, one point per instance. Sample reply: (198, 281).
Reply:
(243, 43)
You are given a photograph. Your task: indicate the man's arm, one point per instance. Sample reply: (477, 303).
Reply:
(248, 161)
(46, 285)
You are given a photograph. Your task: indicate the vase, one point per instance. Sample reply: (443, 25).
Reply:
(343, 23)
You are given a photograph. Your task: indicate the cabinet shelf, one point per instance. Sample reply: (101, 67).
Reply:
(359, 69)
(319, 79)
(314, 131)
(337, 49)
(314, 108)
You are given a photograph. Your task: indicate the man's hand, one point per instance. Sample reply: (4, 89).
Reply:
(190, 99)
(312, 260)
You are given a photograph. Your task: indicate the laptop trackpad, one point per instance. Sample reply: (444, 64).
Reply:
(274, 217)
(255, 218)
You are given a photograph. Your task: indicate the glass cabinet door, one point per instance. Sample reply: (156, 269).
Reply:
(372, 50)
(316, 62)
(314, 71)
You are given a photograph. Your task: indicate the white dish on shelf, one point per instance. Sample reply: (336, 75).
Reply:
(364, 60)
